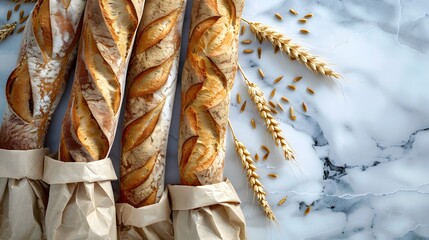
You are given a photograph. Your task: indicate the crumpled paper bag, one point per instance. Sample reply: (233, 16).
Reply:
(150, 222)
(22, 194)
(81, 203)
(207, 212)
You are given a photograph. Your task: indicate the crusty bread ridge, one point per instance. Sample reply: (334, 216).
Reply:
(90, 122)
(207, 78)
(35, 87)
(152, 79)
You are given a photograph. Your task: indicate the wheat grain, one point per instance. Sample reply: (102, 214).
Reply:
(271, 103)
(243, 30)
(257, 97)
(252, 122)
(273, 93)
(246, 41)
(282, 201)
(302, 20)
(291, 87)
(22, 20)
(238, 98)
(292, 114)
(272, 175)
(6, 30)
(293, 50)
(261, 73)
(17, 6)
(297, 79)
(280, 106)
(265, 148)
(259, 52)
(256, 157)
(307, 210)
(20, 29)
(278, 16)
(285, 99)
(311, 91)
(309, 15)
(277, 80)
(248, 51)
(273, 110)
(243, 107)
(9, 14)
(304, 107)
(304, 31)
(293, 11)
(252, 177)
(266, 155)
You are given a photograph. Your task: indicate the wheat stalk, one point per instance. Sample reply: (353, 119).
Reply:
(252, 177)
(257, 97)
(293, 50)
(6, 30)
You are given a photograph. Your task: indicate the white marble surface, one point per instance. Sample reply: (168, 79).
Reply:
(363, 146)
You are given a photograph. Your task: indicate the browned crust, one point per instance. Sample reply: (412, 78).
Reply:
(207, 78)
(34, 88)
(90, 123)
(152, 80)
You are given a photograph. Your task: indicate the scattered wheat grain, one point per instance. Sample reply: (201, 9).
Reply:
(272, 175)
(304, 107)
(273, 93)
(243, 30)
(309, 15)
(277, 80)
(282, 201)
(293, 11)
(297, 79)
(248, 51)
(9, 14)
(285, 99)
(261, 73)
(304, 31)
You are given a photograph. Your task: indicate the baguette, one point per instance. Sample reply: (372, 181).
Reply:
(35, 87)
(207, 79)
(90, 122)
(152, 81)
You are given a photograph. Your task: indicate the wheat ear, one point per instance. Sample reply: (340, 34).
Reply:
(6, 30)
(252, 177)
(257, 97)
(293, 50)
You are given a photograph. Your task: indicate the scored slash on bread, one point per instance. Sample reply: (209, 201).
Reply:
(36, 85)
(152, 77)
(207, 79)
(90, 122)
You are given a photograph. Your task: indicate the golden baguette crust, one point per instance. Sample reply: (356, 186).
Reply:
(152, 81)
(207, 78)
(90, 122)
(36, 85)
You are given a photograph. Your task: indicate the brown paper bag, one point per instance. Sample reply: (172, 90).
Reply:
(22, 194)
(207, 212)
(81, 203)
(149, 222)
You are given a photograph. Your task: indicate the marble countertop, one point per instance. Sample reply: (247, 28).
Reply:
(363, 146)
